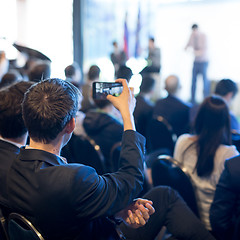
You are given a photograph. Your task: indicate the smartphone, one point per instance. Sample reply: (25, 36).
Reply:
(100, 90)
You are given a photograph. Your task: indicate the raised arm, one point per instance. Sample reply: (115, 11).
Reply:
(110, 193)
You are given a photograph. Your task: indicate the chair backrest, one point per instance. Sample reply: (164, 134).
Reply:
(83, 149)
(21, 228)
(160, 135)
(167, 171)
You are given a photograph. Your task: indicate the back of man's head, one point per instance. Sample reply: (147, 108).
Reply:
(93, 73)
(10, 77)
(172, 84)
(226, 86)
(124, 72)
(11, 121)
(71, 70)
(47, 108)
(147, 84)
(39, 71)
(102, 103)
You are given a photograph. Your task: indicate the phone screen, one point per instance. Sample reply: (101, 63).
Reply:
(102, 89)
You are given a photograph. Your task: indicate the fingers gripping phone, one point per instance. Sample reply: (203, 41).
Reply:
(102, 89)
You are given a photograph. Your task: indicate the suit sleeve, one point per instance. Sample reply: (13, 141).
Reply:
(223, 206)
(95, 196)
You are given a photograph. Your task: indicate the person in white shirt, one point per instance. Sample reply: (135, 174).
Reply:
(203, 154)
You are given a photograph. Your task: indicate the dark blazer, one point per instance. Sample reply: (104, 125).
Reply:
(175, 112)
(8, 153)
(142, 114)
(225, 209)
(71, 201)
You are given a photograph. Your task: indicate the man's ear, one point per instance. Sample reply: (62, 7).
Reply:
(70, 126)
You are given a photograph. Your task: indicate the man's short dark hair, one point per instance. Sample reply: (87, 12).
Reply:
(226, 86)
(152, 39)
(102, 103)
(70, 70)
(124, 72)
(39, 71)
(47, 108)
(11, 121)
(147, 84)
(12, 76)
(94, 72)
(194, 26)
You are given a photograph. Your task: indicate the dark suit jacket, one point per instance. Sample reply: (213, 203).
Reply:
(175, 112)
(142, 114)
(71, 201)
(8, 153)
(225, 209)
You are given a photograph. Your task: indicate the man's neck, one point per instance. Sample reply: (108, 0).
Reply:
(54, 147)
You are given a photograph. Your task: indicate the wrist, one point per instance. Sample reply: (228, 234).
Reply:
(128, 122)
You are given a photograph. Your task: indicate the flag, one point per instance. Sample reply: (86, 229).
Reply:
(137, 44)
(126, 34)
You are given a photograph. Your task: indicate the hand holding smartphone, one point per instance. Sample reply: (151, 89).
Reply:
(102, 89)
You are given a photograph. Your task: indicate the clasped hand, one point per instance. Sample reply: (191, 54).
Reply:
(138, 213)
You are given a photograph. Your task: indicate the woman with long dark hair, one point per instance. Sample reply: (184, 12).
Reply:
(203, 153)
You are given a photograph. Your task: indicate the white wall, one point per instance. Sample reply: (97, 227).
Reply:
(220, 21)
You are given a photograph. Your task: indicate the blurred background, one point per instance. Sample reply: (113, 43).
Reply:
(83, 31)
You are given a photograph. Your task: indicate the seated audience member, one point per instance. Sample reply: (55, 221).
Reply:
(225, 209)
(49, 109)
(175, 111)
(70, 201)
(144, 106)
(39, 70)
(12, 76)
(73, 74)
(13, 133)
(124, 72)
(92, 76)
(203, 154)
(228, 89)
(102, 126)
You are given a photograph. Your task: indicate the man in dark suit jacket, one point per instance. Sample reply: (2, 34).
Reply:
(225, 209)
(175, 111)
(71, 201)
(13, 133)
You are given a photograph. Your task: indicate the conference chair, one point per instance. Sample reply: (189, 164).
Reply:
(21, 228)
(84, 150)
(167, 171)
(160, 135)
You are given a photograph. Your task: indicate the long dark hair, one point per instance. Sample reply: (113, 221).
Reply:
(212, 127)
